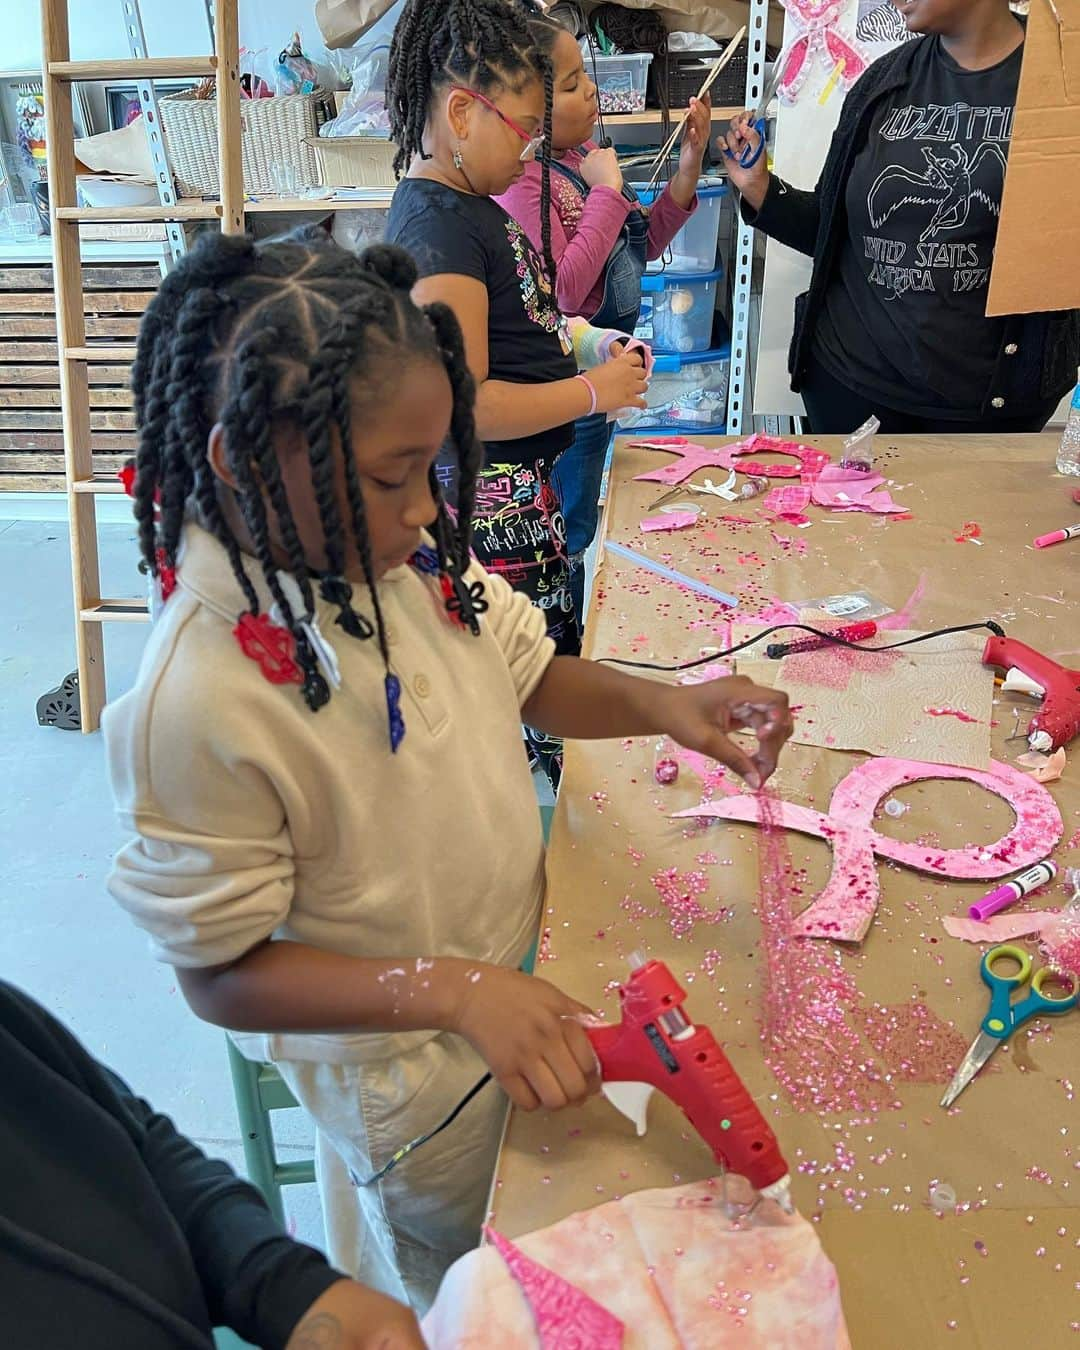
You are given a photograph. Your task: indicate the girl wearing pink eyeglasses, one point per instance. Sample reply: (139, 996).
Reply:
(470, 95)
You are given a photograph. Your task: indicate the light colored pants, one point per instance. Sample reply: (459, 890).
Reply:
(400, 1234)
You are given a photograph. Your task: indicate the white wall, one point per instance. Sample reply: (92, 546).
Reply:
(173, 28)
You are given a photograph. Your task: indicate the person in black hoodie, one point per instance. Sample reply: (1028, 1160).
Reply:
(116, 1231)
(901, 228)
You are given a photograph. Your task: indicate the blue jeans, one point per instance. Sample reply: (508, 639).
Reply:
(576, 477)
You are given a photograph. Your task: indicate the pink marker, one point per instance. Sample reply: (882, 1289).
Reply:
(1058, 536)
(1014, 890)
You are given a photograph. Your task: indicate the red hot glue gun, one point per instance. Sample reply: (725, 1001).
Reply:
(656, 1046)
(1058, 721)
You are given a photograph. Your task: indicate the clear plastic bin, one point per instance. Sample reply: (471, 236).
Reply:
(620, 81)
(677, 310)
(686, 393)
(694, 248)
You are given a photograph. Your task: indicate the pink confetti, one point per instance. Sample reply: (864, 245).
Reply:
(678, 893)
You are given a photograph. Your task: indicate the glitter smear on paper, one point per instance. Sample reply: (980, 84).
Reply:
(833, 667)
(679, 893)
(829, 1049)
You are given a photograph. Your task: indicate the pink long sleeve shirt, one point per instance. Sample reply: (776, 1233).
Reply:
(584, 230)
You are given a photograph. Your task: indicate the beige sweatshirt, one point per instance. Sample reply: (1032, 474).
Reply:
(252, 816)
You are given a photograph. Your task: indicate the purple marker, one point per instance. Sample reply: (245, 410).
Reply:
(1014, 890)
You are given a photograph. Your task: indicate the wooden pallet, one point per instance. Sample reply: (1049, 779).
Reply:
(31, 401)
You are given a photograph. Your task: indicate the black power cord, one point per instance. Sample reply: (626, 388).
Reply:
(831, 639)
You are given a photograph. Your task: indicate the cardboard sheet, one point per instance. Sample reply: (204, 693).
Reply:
(1037, 255)
(932, 703)
(977, 1276)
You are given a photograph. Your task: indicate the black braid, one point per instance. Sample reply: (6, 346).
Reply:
(484, 44)
(462, 429)
(261, 337)
(545, 177)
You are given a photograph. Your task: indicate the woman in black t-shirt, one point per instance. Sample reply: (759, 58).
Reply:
(901, 228)
(470, 98)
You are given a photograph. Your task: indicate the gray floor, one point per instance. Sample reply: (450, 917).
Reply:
(63, 939)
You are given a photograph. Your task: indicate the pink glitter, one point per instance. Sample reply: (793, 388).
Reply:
(813, 1018)
(679, 891)
(833, 667)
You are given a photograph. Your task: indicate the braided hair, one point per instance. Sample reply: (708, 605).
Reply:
(486, 45)
(254, 336)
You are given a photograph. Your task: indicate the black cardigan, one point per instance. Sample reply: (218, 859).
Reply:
(116, 1232)
(1039, 353)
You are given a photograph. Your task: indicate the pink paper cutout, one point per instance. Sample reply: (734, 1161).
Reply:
(693, 457)
(999, 928)
(843, 489)
(671, 520)
(820, 37)
(566, 1318)
(845, 908)
(789, 503)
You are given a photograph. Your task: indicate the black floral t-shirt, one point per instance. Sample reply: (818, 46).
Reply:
(465, 235)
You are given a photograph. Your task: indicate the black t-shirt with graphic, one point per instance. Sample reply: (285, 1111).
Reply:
(466, 235)
(904, 319)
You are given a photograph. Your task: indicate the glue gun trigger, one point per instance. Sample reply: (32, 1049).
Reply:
(632, 1099)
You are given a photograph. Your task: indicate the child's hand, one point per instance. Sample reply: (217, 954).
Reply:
(620, 382)
(695, 137)
(701, 716)
(751, 183)
(600, 168)
(530, 1034)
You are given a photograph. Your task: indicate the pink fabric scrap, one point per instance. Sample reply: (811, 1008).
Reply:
(999, 928)
(842, 489)
(565, 1317)
(788, 503)
(671, 520)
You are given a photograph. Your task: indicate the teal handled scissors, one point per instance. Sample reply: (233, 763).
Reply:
(749, 155)
(1004, 1016)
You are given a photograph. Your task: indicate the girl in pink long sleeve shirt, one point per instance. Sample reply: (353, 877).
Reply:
(601, 238)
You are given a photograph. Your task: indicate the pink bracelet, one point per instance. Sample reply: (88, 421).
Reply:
(592, 392)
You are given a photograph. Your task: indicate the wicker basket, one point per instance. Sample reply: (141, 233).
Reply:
(275, 130)
(687, 72)
(355, 161)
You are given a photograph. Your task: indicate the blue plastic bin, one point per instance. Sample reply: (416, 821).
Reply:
(694, 248)
(686, 393)
(677, 310)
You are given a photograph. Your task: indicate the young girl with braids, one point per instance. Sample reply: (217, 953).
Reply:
(601, 239)
(333, 832)
(469, 96)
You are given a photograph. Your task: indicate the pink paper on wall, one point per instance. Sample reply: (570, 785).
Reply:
(845, 908)
(656, 1261)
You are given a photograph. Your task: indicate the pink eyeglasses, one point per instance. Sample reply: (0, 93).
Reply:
(532, 143)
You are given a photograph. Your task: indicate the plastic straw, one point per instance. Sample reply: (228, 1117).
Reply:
(669, 574)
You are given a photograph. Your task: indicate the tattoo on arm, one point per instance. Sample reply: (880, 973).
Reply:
(321, 1332)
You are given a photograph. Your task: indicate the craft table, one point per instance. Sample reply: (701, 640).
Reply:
(1005, 1265)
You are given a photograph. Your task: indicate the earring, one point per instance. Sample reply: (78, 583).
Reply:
(459, 163)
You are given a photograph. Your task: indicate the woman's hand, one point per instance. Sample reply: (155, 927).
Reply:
(349, 1316)
(531, 1035)
(695, 138)
(702, 716)
(753, 183)
(600, 168)
(620, 382)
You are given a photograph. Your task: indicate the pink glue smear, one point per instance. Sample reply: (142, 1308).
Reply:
(951, 712)
(821, 1036)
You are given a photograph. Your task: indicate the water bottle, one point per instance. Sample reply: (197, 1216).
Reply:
(1068, 458)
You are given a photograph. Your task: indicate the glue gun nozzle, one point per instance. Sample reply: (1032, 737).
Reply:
(780, 1191)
